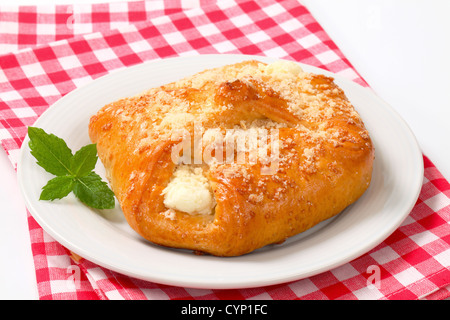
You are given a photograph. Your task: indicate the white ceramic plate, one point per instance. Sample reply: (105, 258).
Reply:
(106, 239)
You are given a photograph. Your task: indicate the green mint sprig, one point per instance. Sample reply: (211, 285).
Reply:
(74, 172)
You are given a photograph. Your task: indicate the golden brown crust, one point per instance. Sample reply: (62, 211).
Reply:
(324, 163)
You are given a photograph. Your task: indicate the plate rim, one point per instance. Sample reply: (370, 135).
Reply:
(217, 283)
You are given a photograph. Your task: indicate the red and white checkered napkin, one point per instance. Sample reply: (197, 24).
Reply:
(63, 47)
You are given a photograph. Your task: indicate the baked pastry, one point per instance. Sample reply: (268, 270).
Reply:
(188, 172)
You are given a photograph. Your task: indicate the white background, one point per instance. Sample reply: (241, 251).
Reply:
(400, 47)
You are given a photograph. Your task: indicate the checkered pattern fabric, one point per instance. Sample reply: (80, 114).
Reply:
(23, 27)
(49, 51)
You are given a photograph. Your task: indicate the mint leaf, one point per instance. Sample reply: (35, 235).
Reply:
(94, 192)
(84, 160)
(51, 152)
(74, 173)
(57, 188)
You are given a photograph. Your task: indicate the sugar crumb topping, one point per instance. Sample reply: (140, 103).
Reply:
(165, 112)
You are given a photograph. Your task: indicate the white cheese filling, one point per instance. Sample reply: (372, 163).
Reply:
(189, 191)
(283, 69)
